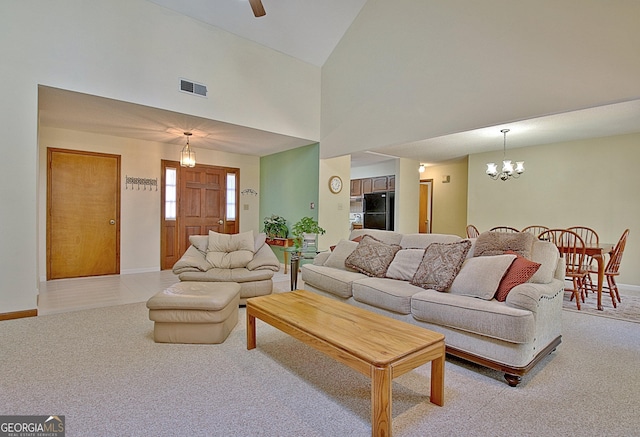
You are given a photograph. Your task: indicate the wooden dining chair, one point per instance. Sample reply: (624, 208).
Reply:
(613, 267)
(572, 249)
(535, 229)
(589, 236)
(504, 229)
(472, 232)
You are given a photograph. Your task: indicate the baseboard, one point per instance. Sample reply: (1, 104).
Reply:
(18, 314)
(122, 272)
(144, 270)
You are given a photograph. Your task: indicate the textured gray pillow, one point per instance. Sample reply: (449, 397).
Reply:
(405, 264)
(496, 243)
(440, 265)
(481, 276)
(372, 257)
(343, 249)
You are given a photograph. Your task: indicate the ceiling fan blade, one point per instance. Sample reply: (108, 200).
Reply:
(258, 9)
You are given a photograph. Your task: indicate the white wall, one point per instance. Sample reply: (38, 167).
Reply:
(408, 70)
(449, 200)
(384, 168)
(140, 209)
(407, 196)
(333, 214)
(592, 183)
(134, 51)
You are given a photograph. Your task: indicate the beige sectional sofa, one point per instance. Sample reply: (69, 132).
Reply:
(240, 258)
(510, 336)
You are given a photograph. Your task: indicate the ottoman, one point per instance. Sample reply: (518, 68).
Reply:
(195, 312)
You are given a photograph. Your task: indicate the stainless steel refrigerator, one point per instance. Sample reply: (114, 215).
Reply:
(379, 210)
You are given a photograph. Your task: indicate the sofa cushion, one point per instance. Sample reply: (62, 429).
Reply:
(440, 264)
(201, 242)
(481, 276)
(405, 264)
(259, 241)
(497, 243)
(422, 241)
(216, 274)
(385, 293)
(339, 254)
(230, 250)
(490, 317)
(372, 257)
(334, 281)
(546, 254)
(519, 272)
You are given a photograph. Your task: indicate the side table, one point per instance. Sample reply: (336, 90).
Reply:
(296, 255)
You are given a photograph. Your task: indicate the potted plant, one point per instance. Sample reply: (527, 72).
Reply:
(305, 232)
(276, 227)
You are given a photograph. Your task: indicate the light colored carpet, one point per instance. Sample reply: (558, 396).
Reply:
(101, 369)
(628, 309)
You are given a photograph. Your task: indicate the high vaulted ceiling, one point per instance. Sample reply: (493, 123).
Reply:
(318, 26)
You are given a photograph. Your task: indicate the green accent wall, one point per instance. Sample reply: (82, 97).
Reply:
(289, 184)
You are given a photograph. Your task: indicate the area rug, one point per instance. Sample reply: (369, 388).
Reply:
(628, 309)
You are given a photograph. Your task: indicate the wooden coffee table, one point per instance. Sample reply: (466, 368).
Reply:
(376, 346)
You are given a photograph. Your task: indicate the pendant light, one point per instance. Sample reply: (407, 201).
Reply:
(187, 156)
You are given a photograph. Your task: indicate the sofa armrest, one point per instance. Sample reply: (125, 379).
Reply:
(264, 259)
(191, 261)
(528, 295)
(321, 258)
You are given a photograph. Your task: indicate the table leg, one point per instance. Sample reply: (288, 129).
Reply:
(295, 265)
(381, 401)
(437, 380)
(600, 260)
(286, 261)
(251, 331)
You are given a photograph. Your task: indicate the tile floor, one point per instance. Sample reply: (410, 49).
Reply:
(62, 295)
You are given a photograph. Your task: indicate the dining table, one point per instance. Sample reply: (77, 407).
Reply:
(598, 251)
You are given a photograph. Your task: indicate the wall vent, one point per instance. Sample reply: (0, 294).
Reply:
(191, 87)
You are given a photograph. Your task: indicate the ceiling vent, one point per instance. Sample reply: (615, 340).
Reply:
(191, 87)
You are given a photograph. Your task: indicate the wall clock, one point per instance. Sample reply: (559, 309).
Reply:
(335, 184)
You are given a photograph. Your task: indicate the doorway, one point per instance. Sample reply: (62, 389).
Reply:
(195, 201)
(426, 203)
(83, 214)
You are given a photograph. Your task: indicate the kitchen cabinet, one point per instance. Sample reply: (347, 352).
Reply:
(356, 187)
(367, 185)
(380, 184)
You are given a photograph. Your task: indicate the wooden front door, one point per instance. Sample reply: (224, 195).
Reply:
(83, 214)
(202, 203)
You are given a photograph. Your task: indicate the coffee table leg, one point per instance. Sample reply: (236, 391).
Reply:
(251, 331)
(437, 380)
(381, 401)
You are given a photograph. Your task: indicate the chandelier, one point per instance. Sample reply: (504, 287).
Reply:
(187, 156)
(508, 171)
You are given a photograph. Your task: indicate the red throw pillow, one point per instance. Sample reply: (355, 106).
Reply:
(520, 271)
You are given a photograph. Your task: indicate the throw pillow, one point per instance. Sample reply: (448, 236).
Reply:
(338, 256)
(405, 264)
(372, 257)
(229, 251)
(520, 271)
(440, 264)
(497, 243)
(481, 276)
